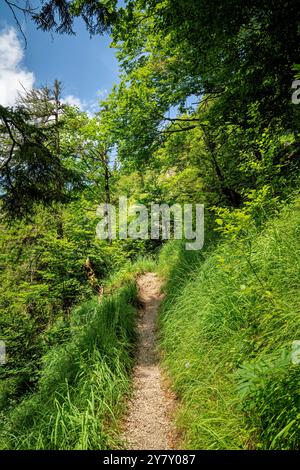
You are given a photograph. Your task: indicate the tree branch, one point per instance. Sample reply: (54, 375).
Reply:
(182, 129)
(25, 10)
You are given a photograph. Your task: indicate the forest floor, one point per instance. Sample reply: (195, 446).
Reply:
(148, 424)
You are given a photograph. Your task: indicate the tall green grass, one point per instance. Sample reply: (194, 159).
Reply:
(82, 384)
(228, 324)
(128, 272)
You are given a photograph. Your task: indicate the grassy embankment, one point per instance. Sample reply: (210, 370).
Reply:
(83, 383)
(228, 322)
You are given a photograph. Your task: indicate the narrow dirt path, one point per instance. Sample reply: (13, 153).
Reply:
(148, 424)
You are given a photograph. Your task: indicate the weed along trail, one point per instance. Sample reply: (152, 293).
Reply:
(148, 423)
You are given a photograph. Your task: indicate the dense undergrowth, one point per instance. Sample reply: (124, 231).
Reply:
(83, 382)
(229, 320)
(228, 325)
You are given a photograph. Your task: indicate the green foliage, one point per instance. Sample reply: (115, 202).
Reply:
(228, 324)
(241, 127)
(30, 171)
(202, 113)
(59, 15)
(42, 277)
(269, 389)
(82, 383)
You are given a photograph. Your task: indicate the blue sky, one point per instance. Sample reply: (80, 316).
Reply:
(86, 66)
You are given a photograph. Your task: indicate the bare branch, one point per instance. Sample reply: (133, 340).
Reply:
(182, 129)
(26, 10)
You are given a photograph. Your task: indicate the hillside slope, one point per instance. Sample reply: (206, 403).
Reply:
(228, 324)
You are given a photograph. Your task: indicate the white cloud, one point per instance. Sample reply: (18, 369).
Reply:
(72, 100)
(90, 106)
(13, 77)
